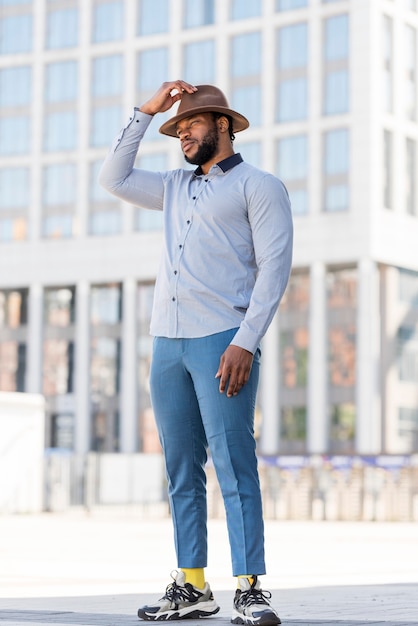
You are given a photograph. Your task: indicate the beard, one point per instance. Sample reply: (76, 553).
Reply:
(207, 149)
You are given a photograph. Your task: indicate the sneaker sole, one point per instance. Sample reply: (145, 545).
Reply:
(269, 619)
(176, 615)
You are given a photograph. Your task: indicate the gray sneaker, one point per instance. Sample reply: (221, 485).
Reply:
(252, 606)
(181, 601)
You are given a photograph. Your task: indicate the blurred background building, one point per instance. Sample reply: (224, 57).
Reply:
(331, 90)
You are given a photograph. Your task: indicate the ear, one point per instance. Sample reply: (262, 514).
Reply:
(223, 124)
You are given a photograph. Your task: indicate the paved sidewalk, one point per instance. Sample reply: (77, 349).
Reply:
(87, 569)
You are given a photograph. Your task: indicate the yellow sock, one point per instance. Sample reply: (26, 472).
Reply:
(195, 576)
(249, 576)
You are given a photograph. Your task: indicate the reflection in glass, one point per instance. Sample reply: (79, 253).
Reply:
(59, 307)
(15, 86)
(15, 34)
(198, 13)
(13, 308)
(105, 367)
(58, 365)
(12, 366)
(153, 16)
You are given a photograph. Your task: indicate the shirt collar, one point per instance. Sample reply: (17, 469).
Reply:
(225, 164)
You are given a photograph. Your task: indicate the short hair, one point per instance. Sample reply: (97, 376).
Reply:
(217, 115)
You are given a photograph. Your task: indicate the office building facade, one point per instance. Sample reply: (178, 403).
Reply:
(330, 88)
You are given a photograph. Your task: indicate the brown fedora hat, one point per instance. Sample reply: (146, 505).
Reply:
(206, 99)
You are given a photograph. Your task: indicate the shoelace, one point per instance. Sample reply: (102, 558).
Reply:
(254, 596)
(175, 592)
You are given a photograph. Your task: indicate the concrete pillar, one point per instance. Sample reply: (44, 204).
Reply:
(82, 369)
(368, 402)
(128, 398)
(317, 435)
(35, 344)
(270, 390)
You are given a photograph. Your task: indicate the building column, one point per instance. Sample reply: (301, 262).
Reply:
(128, 398)
(368, 403)
(35, 328)
(270, 389)
(317, 401)
(82, 369)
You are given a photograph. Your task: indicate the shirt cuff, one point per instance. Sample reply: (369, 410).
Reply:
(246, 339)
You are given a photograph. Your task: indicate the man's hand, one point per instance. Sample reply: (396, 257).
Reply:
(235, 367)
(163, 99)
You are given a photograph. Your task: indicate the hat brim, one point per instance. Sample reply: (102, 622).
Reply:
(239, 121)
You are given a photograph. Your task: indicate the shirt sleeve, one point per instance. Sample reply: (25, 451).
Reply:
(270, 218)
(119, 176)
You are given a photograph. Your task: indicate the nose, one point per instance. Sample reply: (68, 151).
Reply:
(183, 134)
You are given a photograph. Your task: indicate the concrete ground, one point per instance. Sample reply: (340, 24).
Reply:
(82, 568)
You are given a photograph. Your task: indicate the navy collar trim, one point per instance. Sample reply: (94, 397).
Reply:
(225, 164)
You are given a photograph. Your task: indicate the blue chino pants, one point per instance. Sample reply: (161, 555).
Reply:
(191, 416)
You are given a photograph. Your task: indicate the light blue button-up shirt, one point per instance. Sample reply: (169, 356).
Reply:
(227, 241)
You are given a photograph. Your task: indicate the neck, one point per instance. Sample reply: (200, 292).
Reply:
(219, 156)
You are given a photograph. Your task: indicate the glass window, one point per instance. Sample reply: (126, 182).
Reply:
(294, 357)
(152, 69)
(153, 16)
(102, 223)
(408, 287)
(248, 47)
(292, 46)
(14, 135)
(408, 426)
(199, 62)
(14, 188)
(58, 365)
(13, 308)
(387, 63)
(286, 5)
(242, 10)
(59, 306)
(336, 38)
(108, 22)
(15, 34)
(62, 29)
(13, 229)
(336, 92)
(12, 365)
(104, 121)
(61, 81)
(408, 354)
(293, 158)
(60, 184)
(60, 131)
(336, 166)
(247, 100)
(342, 427)
(293, 425)
(107, 76)
(292, 168)
(57, 226)
(411, 71)
(251, 152)
(336, 152)
(15, 86)
(387, 169)
(105, 366)
(411, 177)
(198, 13)
(292, 101)
(106, 305)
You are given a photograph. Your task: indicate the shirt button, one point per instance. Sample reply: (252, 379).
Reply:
(180, 246)
(194, 198)
(173, 299)
(175, 272)
(188, 221)
(206, 180)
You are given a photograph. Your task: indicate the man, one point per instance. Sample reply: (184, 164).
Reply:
(224, 268)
